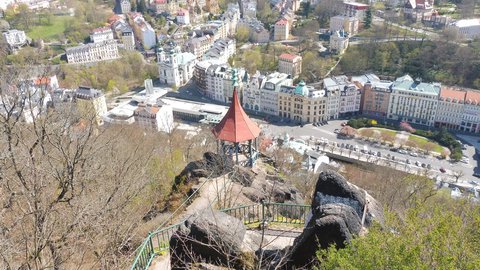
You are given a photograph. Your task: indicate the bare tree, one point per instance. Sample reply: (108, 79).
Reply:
(457, 174)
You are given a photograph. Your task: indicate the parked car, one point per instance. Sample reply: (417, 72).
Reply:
(401, 151)
(424, 165)
(314, 124)
(344, 124)
(429, 166)
(379, 154)
(336, 131)
(407, 161)
(394, 149)
(418, 163)
(465, 160)
(413, 154)
(393, 157)
(443, 170)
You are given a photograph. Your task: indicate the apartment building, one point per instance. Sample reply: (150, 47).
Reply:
(15, 38)
(471, 112)
(93, 52)
(302, 103)
(467, 28)
(251, 93)
(158, 118)
(215, 81)
(269, 92)
(346, 23)
(338, 42)
(91, 104)
(281, 30)
(376, 98)
(413, 101)
(122, 6)
(356, 10)
(221, 49)
(199, 45)
(101, 34)
(145, 31)
(183, 17)
(450, 108)
(290, 64)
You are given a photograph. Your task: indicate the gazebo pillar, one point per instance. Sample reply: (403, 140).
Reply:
(236, 153)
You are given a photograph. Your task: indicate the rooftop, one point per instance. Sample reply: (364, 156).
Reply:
(236, 126)
(288, 56)
(450, 94)
(467, 22)
(406, 83)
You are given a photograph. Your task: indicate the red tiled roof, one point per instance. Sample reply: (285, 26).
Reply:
(452, 93)
(288, 56)
(113, 18)
(281, 22)
(42, 81)
(473, 97)
(160, 1)
(236, 126)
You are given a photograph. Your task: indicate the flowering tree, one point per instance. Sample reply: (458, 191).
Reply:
(406, 127)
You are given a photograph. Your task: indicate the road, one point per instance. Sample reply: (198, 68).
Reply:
(190, 92)
(312, 133)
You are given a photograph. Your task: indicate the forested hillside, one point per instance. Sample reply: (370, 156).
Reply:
(434, 61)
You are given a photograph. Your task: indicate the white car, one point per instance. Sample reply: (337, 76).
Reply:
(413, 154)
(465, 160)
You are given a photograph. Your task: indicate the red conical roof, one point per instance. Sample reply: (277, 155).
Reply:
(235, 125)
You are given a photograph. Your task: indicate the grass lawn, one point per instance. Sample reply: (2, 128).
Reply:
(391, 133)
(421, 142)
(49, 32)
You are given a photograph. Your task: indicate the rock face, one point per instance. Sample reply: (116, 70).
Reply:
(213, 237)
(337, 211)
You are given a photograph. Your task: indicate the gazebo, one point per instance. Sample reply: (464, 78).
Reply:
(236, 133)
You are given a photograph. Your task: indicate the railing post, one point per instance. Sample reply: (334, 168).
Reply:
(151, 243)
(263, 212)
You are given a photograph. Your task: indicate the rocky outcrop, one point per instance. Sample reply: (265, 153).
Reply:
(337, 211)
(213, 237)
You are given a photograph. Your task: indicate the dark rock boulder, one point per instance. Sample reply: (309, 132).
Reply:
(338, 208)
(212, 237)
(333, 188)
(331, 224)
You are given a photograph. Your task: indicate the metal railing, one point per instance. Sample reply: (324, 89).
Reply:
(158, 241)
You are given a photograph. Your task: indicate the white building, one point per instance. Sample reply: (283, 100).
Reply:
(471, 113)
(157, 117)
(175, 68)
(468, 28)
(346, 23)
(281, 30)
(15, 38)
(183, 17)
(269, 92)
(214, 80)
(350, 99)
(450, 108)
(413, 101)
(338, 41)
(251, 93)
(199, 45)
(343, 97)
(222, 49)
(147, 33)
(93, 52)
(101, 34)
(290, 64)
